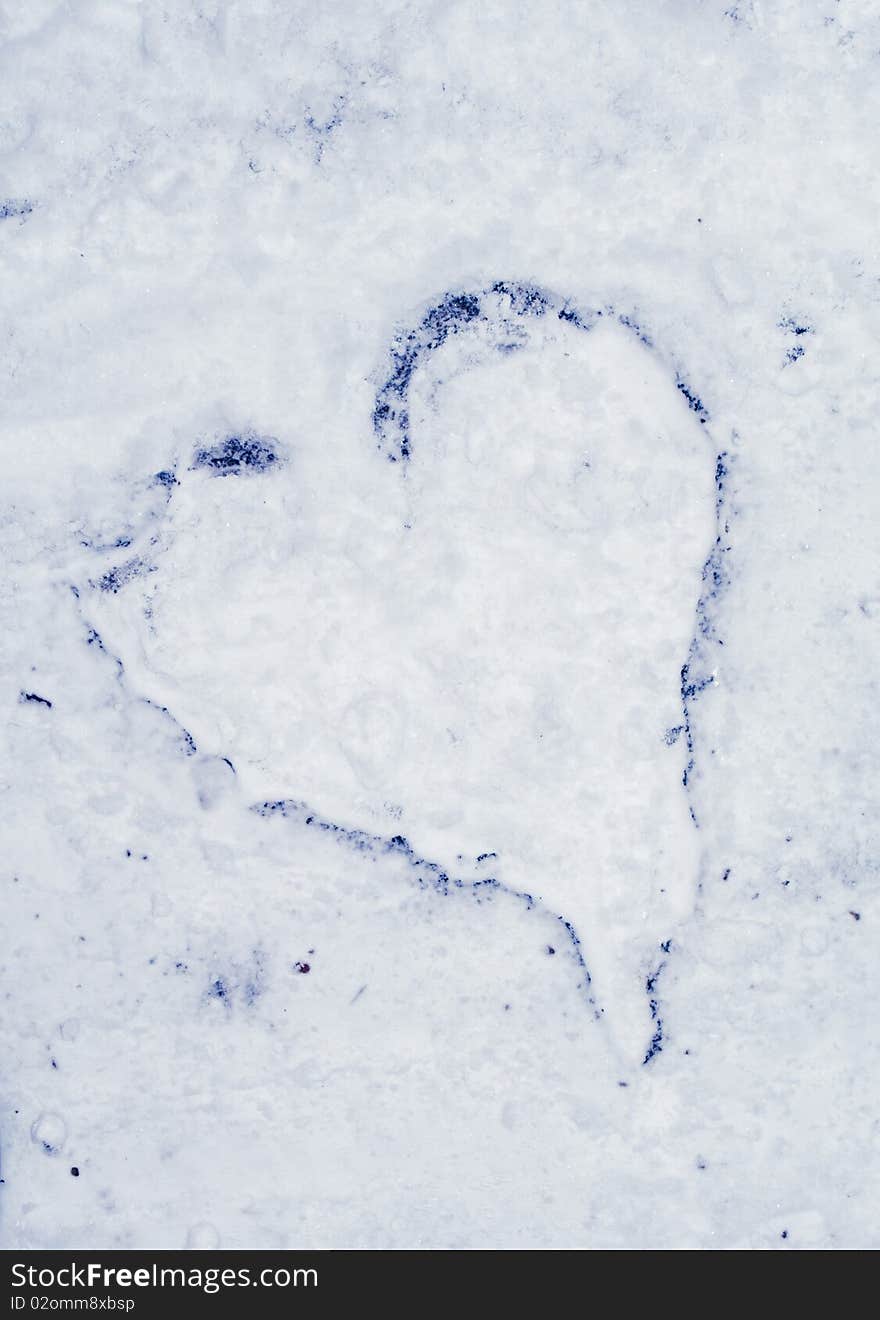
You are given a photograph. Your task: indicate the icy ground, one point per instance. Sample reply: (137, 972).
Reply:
(439, 624)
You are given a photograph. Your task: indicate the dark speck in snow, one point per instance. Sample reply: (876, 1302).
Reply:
(74, 1172)
(794, 326)
(116, 578)
(302, 967)
(12, 208)
(35, 698)
(237, 455)
(694, 402)
(525, 299)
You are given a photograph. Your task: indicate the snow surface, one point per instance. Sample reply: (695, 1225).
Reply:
(439, 624)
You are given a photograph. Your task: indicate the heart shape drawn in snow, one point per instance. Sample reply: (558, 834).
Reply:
(493, 639)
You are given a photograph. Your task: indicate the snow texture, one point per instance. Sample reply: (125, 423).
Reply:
(439, 624)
